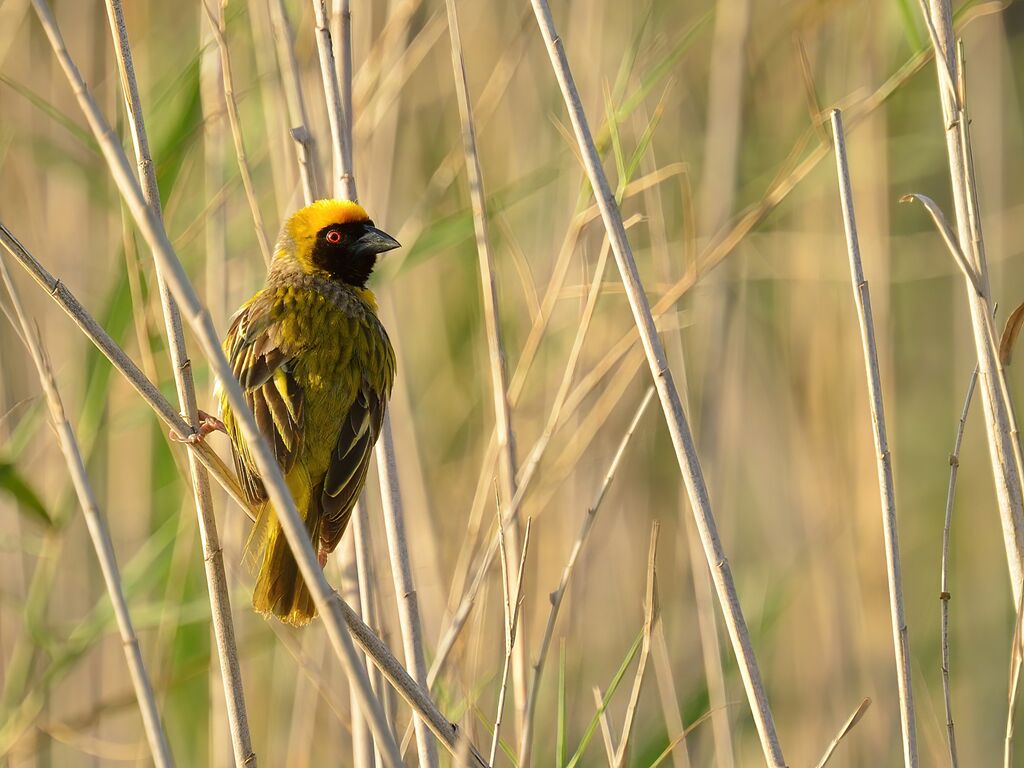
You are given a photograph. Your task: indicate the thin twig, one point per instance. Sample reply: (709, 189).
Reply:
(848, 726)
(219, 28)
(344, 182)
(679, 430)
(213, 557)
(948, 237)
(604, 723)
(1000, 423)
(366, 583)
(331, 608)
(180, 429)
(862, 300)
(98, 532)
(305, 146)
(944, 596)
(650, 618)
(401, 573)
(559, 593)
(512, 613)
(669, 698)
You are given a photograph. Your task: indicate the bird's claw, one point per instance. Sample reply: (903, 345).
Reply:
(207, 424)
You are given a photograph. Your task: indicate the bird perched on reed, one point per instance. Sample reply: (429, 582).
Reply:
(316, 367)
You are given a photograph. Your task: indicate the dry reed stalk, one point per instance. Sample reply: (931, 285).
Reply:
(367, 80)
(789, 176)
(650, 619)
(327, 601)
(540, 446)
(676, 731)
(513, 611)
(218, 26)
(606, 727)
(848, 726)
(59, 292)
(526, 476)
(344, 74)
(338, 90)
(405, 590)
(302, 731)
(362, 739)
(862, 300)
(944, 596)
(398, 72)
(495, 347)
(704, 601)
(679, 430)
(211, 99)
(213, 556)
(366, 583)
(273, 109)
(557, 596)
(1000, 423)
(98, 532)
(518, 381)
(467, 595)
(291, 84)
(343, 180)
(1016, 663)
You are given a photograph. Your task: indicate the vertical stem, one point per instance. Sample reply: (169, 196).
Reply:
(513, 605)
(1000, 423)
(291, 84)
(344, 72)
(944, 596)
(362, 740)
(338, 89)
(219, 28)
(495, 348)
(862, 299)
(344, 182)
(366, 582)
(98, 533)
(213, 557)
(405, 590)
(679, 430)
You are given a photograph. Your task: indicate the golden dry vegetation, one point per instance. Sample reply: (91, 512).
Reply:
(712, 123)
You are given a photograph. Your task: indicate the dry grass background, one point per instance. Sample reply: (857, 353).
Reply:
(771, 370)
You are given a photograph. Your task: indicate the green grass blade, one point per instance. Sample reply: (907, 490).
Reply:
(589, 733)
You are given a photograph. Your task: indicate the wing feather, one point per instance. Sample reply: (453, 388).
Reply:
(350, 461)
(262, 359)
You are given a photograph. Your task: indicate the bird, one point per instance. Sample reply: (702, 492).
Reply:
(317, 367)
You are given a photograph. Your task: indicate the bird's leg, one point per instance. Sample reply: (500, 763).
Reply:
(207, 424)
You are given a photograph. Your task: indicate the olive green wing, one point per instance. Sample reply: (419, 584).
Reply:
(346, 473)
(262, 360)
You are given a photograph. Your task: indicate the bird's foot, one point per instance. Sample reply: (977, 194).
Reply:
(207, 424)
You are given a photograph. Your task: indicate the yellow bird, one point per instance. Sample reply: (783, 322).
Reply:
(317, 367)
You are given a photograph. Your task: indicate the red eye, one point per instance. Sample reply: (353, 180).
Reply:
(333, 237)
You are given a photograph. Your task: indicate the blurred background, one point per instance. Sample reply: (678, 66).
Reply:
(712, 120)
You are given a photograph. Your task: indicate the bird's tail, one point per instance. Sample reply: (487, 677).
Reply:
(280, 589)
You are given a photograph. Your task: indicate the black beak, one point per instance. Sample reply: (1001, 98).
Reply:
(374, 241)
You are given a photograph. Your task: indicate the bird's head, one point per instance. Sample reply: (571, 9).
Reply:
(335, 238)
